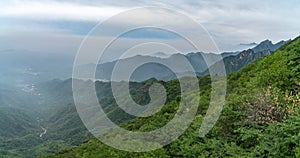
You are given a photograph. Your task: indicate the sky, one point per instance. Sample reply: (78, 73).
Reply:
(59, 26)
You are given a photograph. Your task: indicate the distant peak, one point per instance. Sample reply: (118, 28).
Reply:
(268, 45)
(267, 41)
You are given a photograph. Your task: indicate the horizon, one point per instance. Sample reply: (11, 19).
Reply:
(154, 54)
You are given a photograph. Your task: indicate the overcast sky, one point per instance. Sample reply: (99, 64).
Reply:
(59, 26)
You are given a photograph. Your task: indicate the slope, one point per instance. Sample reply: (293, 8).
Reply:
(261, 117)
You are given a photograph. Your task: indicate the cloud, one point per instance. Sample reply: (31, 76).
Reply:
(53, 10)
(69, 44)
(230, 22)
(248, 44)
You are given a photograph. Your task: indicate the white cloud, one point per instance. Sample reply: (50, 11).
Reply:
(230, 22)
(52, 10)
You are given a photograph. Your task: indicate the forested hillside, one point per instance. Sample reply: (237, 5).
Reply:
(261, 117)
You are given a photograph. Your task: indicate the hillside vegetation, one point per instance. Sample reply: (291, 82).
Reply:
(261, 117)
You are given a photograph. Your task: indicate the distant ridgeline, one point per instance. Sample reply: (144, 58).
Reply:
(233, 61)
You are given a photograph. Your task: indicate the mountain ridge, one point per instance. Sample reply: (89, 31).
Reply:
(200, 62)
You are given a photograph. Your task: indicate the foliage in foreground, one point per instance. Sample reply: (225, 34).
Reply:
(261, 117)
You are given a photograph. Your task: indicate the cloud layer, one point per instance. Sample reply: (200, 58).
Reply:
(230, 22)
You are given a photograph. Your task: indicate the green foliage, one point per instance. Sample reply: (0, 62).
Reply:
(17, 121)
(261, 117)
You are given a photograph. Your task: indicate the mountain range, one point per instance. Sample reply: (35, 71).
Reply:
(44, 120)
(200, 62)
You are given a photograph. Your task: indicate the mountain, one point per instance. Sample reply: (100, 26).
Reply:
(154, 69)
(268, 45)
(34, 125)
(18, 122)
(261, 116)
(233, 61)
(226, 54)
(236, 62)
